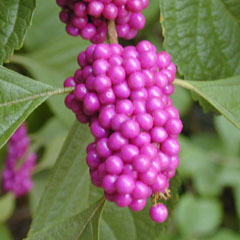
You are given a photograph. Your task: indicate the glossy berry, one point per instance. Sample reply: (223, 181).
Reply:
(159, 213)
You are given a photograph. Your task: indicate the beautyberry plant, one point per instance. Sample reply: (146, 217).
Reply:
(104, 155)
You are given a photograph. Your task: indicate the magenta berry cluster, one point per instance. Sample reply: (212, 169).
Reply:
(88, 18)
(18, 179)
(123, 94)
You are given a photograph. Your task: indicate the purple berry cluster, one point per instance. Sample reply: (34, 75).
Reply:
(18, 179)
(123, 94)
(88, 18)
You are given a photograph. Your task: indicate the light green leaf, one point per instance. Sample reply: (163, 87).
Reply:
(19, 96)
(68, 187)
(15, 19)
(222, 94)
(7, 204)
(198, 216)
(84, 226)
(203, 37)
(45, 19)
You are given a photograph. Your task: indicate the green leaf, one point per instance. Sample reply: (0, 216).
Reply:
(45, 19)
(182, 100)
(7, 204)
(51, 137)
(40, 180)
(67, 190)
(4, 233)
(203, 37)
(229, 135)
(198, 216)
(200, 165)
(19, 96)
(225, 234)
(84, 226)
(234, 7)
(151, 13)
(222, 94)
(15, 19)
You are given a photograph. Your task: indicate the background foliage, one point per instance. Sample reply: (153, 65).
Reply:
(203, 39)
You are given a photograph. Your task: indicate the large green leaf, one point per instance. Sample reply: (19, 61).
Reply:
(83, 226)
(15, 18)
(203, 37)
(222, 94)
(67, 190)
(19, 96)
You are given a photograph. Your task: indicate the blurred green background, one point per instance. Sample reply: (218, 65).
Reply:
(209, 204)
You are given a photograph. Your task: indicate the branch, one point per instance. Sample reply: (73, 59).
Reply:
(112, 32)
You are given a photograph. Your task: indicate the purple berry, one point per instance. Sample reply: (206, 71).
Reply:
(159, 213)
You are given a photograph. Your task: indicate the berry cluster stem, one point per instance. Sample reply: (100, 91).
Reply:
(112, 32)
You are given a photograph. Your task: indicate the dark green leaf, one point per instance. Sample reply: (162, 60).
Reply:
(15, 89)
(15, 19)
(203, 37)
